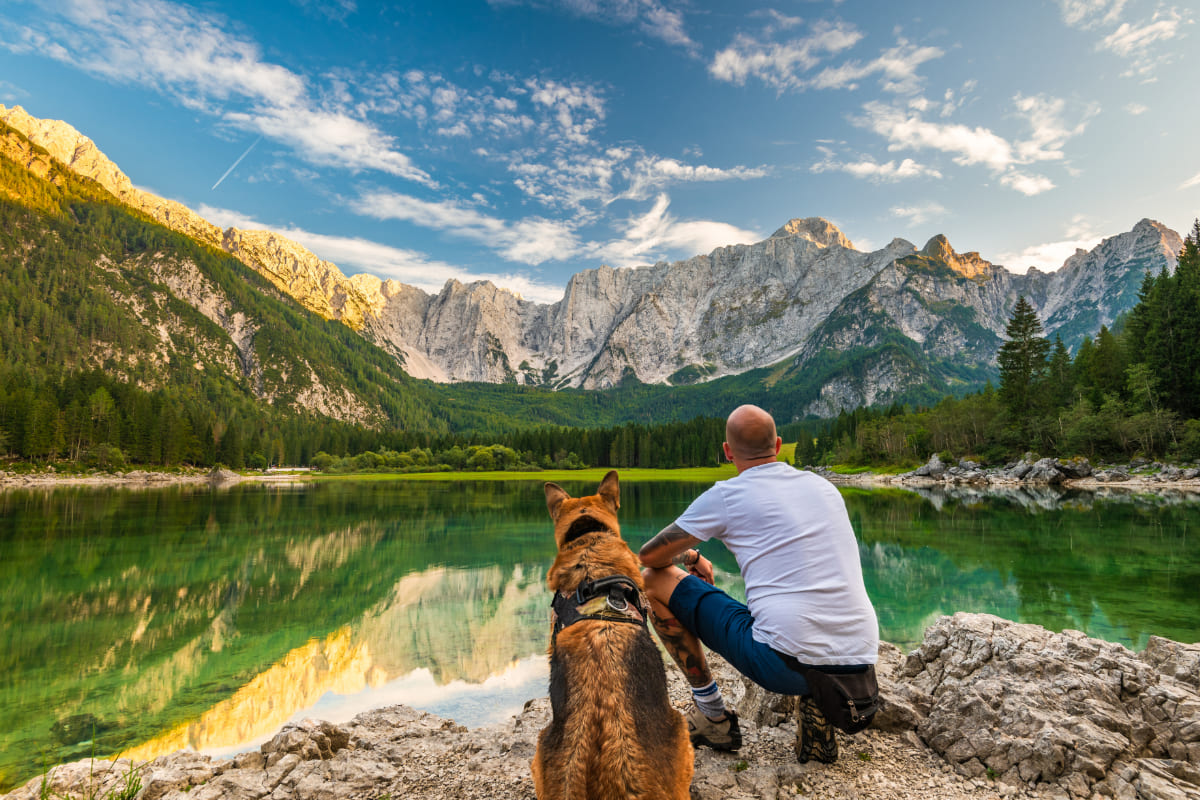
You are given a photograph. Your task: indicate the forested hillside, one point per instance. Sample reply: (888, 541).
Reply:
(122, 342)
(1130, 391)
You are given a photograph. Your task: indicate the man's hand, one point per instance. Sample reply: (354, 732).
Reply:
(702, 569)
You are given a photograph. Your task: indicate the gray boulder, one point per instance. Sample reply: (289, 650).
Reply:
(1026, 706)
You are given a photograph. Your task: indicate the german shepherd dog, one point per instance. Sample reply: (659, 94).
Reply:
(613, 732)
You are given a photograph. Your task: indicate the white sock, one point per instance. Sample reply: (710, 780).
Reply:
(709, 700)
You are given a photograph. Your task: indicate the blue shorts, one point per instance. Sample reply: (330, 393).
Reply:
(723, 625)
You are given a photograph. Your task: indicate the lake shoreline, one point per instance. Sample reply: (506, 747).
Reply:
(142, 479)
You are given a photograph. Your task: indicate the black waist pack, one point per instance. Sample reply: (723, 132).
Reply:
(848, 700)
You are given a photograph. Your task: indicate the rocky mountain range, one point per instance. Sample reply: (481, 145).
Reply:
(872, 324)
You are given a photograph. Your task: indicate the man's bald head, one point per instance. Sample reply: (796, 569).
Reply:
(750, 434)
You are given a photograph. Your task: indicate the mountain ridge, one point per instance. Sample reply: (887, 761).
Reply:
(801, 296)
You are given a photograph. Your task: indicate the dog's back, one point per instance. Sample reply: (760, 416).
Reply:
(613, 732)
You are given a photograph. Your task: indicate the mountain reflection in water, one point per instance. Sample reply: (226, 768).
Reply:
(423, 645)
(142, 622)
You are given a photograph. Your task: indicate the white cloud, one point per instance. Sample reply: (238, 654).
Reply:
(1049, 256)
(352, 254)
(1142, 43)
(919, 215)
(532, 240)
(871, 170)
(897, 67)
(649, 16)
(188, 55)
(906, 131)
(1139, 42)
(1090, 13)
(784, 65)
(650, 172)
(1137, 109)
(905, 128)
(1028, 185)
(780, 65)
(652, 236)
(1190, 182)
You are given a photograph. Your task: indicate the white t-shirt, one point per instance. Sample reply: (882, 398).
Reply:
(791, 536)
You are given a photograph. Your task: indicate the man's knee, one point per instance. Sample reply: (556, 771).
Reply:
(661, 582)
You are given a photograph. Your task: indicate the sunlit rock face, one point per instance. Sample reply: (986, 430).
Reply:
(804, 292)
(953, 309)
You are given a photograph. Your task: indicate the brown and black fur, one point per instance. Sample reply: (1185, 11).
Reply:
(613, 732)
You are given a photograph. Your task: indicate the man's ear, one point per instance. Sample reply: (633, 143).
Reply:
(610, 490)
(555, 494)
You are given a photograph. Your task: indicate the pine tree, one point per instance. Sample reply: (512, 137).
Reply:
(1022, 359)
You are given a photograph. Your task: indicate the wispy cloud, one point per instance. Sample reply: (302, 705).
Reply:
(649, 173)
(896, 67)
(649, 237)
(869, 169)
(531, 240)
(353, 254)
(782, 65)
(336, 10)
(191, 56)
(1090, 13)
(905, 128)
(650, 17)
(1079, 234)
(788, 64)
(919, 214)
(1140, 42)
(1190, 182)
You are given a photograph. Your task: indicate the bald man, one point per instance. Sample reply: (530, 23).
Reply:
(807, 605)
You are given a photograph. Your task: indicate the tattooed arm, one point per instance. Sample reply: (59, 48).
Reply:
(671, 543)
(674, 545)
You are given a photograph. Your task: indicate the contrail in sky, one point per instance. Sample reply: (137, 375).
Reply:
(234, 165)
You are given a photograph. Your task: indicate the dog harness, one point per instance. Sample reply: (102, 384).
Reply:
(615, 598)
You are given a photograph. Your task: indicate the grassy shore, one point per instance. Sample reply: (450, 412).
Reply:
(593, 475)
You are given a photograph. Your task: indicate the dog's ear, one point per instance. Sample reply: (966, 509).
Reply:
(554, 497)
(610, 490)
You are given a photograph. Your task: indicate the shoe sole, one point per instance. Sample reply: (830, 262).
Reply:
(822, 747)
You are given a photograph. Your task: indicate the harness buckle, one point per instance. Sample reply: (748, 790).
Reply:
(617, 601)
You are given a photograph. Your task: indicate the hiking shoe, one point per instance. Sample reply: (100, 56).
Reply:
(815, 738)
(723, 735)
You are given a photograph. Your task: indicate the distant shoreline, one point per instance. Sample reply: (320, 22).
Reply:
(150, 479)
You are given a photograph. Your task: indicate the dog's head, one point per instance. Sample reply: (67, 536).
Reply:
(575, 517)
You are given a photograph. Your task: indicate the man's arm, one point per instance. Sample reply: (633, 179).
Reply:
(671, 542)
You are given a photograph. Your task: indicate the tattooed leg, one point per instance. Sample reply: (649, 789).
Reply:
(681, 644)
(685, 649)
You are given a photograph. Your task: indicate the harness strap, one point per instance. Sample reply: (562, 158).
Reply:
(614, 598)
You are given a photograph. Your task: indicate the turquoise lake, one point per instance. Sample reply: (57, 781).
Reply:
(142, 621)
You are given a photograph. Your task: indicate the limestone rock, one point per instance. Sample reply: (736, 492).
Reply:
(1003, 710)
(798, 295)
(1028, 706)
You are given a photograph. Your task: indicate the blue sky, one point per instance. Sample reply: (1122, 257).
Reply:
(524, 140)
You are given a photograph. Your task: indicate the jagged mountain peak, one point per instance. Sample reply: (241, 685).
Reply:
(817, 230)
(969, 265)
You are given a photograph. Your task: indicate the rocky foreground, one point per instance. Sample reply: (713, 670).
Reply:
(984, 708)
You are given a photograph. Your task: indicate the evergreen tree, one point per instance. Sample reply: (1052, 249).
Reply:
(1022, 360)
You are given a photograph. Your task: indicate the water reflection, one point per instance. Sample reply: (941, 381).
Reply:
(437, 628)
(141, 622)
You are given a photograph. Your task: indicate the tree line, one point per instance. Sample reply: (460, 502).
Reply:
(1132, 390)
